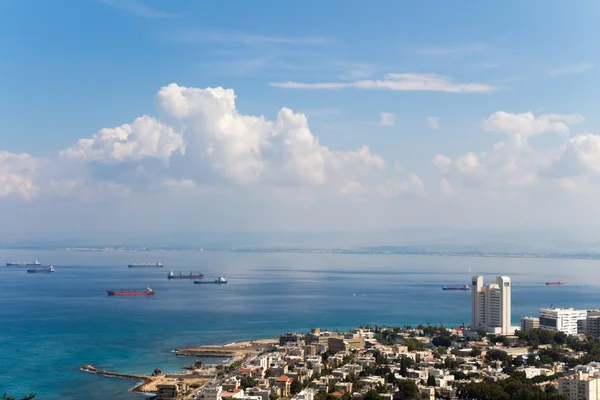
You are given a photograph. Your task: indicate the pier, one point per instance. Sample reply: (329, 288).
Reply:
(149, 382)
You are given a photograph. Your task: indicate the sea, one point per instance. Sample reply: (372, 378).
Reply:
(51, 324)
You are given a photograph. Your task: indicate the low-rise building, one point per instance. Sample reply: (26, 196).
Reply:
(213, 393)
(290, 337)
(306, 394)
(168, 391)
(529, 323)
(345, 387)
(284, 384)
(426, 393)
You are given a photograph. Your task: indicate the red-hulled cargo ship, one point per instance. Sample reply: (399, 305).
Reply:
(131, 292)
(555, 283)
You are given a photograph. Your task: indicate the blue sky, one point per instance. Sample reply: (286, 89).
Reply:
(412, 81)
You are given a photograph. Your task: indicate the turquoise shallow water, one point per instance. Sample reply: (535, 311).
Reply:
(52, 324)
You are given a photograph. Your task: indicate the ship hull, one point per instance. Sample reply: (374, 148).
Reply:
(209, 283)
(22, 264)
(185, 276)
(554, 283)
(39, 271)
(457, 289)
(116, 293)
(145, 266)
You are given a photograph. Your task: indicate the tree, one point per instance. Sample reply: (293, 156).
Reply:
(407, 389)
(518, 361)
(430, 381)
(441, 340)
(296, 387)
(475, 351)
(28, 397)
(372, 395)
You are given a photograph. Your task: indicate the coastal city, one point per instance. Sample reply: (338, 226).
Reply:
(554, 355)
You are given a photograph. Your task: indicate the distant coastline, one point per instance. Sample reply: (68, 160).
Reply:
(387, 250)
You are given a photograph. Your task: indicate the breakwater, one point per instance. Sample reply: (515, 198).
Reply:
(145, 379)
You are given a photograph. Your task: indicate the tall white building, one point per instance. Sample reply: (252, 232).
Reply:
(490, 308)
(567, 320)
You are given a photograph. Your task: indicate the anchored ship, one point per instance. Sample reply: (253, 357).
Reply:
(464, 288)
(22, 263)
(555, 283)
(191, 275)
(146, 264)
(40, 270)
(219, 281)
(131, 292)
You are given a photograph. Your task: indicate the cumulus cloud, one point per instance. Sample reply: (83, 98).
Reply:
(579, 156)
(249, 149)
(200, 141)
(520, 127)
(397, 82)
(17, 175)
(145, 137)
(510, 163)
(434, 122)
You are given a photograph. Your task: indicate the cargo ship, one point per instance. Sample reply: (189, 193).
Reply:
(219, 281)
(464, 288)
(131, 292)
(36, 270)
(23, 263)
(557, 283)
(191, 275)
(146, 264)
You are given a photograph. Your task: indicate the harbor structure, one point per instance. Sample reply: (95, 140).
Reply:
(566, 320)
(491, 305)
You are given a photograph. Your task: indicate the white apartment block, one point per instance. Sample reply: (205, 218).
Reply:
(491, 305)
(580, 387)
(565, 320)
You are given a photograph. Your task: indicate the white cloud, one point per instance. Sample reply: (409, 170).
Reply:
(17, 175)
(145, 137)
(513, 163)
(434, 122)
(579, 156)
(572, 69)
(248, 149)
(521, 127)
(138, 8)
(387, 119)
(397, 82)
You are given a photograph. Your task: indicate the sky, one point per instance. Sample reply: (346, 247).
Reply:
(231, 116)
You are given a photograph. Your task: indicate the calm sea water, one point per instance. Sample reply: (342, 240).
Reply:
(52, 324)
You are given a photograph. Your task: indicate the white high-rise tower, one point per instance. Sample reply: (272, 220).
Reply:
(490, 308)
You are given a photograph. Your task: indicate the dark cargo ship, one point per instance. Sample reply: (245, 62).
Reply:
(191, 275)
(463, 288)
